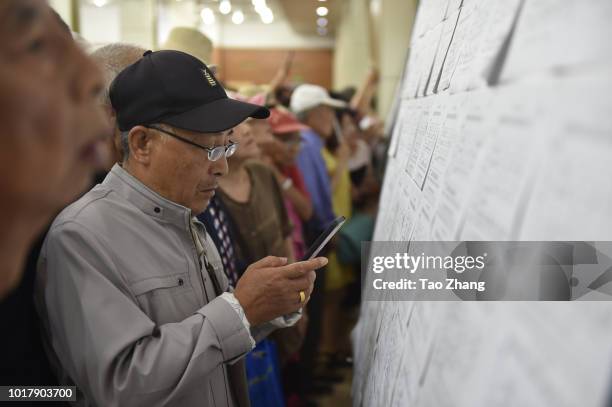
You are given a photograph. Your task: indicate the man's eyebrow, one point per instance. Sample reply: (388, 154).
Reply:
(229, 133)
(20, 15)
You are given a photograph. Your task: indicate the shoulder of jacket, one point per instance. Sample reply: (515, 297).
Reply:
(93, 210)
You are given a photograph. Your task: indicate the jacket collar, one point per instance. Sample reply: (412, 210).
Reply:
(145, 199)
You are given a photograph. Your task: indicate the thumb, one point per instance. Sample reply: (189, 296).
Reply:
(269, 261)
(297, 270)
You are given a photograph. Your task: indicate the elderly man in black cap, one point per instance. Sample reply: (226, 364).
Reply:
(136, 306)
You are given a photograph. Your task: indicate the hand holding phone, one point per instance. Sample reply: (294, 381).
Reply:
(324, 237)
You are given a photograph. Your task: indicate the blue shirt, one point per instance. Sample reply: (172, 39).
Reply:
(311, 164)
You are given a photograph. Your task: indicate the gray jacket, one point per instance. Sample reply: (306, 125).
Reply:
(130, 316)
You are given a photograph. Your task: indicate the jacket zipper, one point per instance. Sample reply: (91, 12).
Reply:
(194, 235)
(216, 287)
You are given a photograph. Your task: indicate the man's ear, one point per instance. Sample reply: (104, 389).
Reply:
(140, 140)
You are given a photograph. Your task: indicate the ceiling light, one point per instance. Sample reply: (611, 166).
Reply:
(267, 16)
(237, 17)
(322, 30)
(225, 7)
(322, 22)
(262, 9)
(259, 3)
(322, 11)
(208, 16)
(100, 3)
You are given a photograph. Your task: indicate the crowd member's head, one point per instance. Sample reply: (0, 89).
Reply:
(261, 130)
(315, 108)
(348, 126)
(345, 94)
(176, 125)
(347, 119)
(284, 146)
(372, 128)
(52, 125)
(283, 95)
(244, 137)
(252, 133)
(112, 59)
(190, 41)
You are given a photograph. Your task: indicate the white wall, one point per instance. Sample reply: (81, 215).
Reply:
(279, 34)
(397, 19)
(102, 24)
(386, 48)
(63, 9)
(132, 21)
(250, 34)
(148, 23)
(137, 22)
(183, 14)
(353, 47)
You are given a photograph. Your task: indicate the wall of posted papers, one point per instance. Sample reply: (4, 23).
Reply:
(502, 131)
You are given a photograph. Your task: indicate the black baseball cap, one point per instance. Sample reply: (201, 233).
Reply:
(177, 89)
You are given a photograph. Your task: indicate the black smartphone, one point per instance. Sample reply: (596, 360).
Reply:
(324, 237)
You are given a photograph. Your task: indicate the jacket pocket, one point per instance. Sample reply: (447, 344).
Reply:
(166, 299)
(171, 284)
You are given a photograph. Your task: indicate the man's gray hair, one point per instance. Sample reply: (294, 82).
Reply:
(114, 58)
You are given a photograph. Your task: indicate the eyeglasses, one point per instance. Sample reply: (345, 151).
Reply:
(213, 153)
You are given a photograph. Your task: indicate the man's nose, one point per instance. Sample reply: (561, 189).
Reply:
(219, 167)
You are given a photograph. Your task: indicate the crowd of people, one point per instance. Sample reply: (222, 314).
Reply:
(166, 218)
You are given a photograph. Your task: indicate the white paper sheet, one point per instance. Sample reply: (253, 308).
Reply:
(559, 34)
(510, 154)
(486, 32)
(448, 28)
(573, 193)
(527, 159)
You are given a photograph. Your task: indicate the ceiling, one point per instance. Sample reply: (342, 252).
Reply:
(303, 18)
